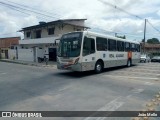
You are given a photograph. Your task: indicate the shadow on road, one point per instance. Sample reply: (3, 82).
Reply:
(71, 74)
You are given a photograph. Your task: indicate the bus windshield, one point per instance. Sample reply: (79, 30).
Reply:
(70, 45)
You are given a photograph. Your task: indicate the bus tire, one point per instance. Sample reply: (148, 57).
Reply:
(98, 67)
(129, 63)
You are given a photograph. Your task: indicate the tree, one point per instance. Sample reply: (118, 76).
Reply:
(153, 41)
(123, 37)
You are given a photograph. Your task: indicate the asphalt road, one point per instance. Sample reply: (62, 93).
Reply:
(29, 88)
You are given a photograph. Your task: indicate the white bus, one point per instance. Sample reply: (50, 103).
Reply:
(84, 51)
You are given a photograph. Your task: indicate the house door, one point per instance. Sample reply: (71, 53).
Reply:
(52, 54)
(34, 54)
(6, 54)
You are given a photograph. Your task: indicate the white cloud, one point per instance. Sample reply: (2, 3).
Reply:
(98, 14)
(158, 12)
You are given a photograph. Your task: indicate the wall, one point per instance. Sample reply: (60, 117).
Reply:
(60, 31)
(12, 54)
(46, 52)
(40, 52)
(44, 33)
(2, 55)
(7, 42)
(25, 54)
(57, 32)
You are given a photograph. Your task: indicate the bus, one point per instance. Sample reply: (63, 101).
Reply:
(85, 51)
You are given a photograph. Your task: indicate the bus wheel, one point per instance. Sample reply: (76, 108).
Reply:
(98, 67)
(129, 63)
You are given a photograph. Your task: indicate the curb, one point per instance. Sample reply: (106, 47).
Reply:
(30, 64)
(13, 62)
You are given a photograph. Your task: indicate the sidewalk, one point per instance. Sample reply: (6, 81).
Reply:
(43, 64)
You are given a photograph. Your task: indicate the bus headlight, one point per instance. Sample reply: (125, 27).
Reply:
(76, 61)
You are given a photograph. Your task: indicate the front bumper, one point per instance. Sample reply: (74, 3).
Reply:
(155, 60)
(142, 60)
(75, 67)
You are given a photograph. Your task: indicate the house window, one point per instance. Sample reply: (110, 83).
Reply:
(28, 34)
(38, 34)
(78, 29)
(12, 47)
(50, 31)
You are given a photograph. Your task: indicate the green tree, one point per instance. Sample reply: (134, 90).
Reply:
(153, 41)
(123, 37)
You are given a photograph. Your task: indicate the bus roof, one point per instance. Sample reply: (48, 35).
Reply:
(109, 36)
(105, 36)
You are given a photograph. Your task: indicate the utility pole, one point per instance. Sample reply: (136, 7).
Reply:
(144, 40)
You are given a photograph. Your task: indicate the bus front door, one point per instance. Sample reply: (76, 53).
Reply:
(88, 61)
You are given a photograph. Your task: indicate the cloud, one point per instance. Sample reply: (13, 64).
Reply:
(11, 24)
(99, 15)
(158, 12)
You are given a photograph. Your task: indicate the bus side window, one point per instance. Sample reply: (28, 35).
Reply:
(101, 44)
(133, 47)
(137, 48)
(112, 45)
(88, 46)
(120, 46)
(127, 46)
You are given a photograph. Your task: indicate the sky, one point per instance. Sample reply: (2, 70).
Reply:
(102, 16)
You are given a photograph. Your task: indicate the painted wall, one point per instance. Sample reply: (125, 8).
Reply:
(40, 52)
(26, 54)
(57, 32)
(46, 52)
(2, 55)
(12, 54)
(7, 42)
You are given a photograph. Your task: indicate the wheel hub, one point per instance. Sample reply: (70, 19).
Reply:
(99, 67)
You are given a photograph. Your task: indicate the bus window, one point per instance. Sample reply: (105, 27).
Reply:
(127, 46)
(120, 46)
(88, 46)
(112, 45)
(133, 47)
(137, 48)
(101, 44)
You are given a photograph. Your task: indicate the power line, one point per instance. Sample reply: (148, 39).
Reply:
(116, 7)
(153, 26)
(99, 29)
(34, 8)
(30, 9)
(11, 33)
(25, 9)
(8, 33)
(13, 8)
(114, 32)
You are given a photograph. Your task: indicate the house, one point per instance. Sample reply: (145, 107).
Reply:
(6, 44)
(151, 49)
(42, 39)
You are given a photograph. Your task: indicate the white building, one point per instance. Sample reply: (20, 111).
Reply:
(40, 40)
